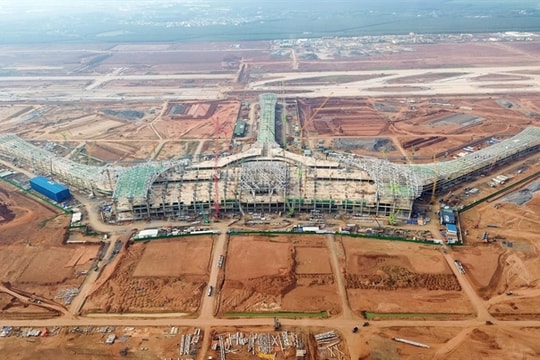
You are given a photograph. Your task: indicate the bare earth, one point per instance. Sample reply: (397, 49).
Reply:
(163, 101)
(149, 279)
(289, 281)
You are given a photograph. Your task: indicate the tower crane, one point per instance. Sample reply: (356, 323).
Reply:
(216, 167)
(219, 129)
(311, 118)
(435, 180)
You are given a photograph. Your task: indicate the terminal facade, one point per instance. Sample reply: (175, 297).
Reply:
(268, 178)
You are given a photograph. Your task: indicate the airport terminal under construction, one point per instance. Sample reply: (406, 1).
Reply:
(268, 177)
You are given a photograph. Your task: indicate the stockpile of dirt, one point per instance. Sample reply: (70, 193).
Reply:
(392, 277)
(125, 292)
(259, 293)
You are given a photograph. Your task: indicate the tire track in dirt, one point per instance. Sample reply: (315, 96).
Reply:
(452, 344)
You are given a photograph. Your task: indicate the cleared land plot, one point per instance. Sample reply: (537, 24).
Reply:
(31, 256)
(482, 342)
(91, 127)
(457, 119)
(245, 264)
(349, 117)
(278, 273)
(369, 144)
(177, 149)
(153, 282)
(114, 151)
(190, 127)
(482, 266)
(395, 277)
(175, 257)
(47, 267)
(31, 217)
(312, 261)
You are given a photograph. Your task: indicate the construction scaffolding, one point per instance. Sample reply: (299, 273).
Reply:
(266, 135)
(268, 178)
(397, 186)
(447, 174)
(40, 161)
(264, 177)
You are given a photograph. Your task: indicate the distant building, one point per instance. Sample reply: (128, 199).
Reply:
(50, 189)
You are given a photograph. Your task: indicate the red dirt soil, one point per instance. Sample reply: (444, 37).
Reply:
(159, 276)
(290, 280)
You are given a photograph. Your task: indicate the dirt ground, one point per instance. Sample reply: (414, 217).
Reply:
(455, 121)
(396, 277)
(107, 130)
(175, 149)
(89, 343)
(202, 122)
(505, 271)
(493, 342)
(484, 342)
(292, 281)
(158, 276)
(33, 258)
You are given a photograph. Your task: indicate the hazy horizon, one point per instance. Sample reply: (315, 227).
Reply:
(25, 21)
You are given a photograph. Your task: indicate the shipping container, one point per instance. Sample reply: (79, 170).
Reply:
(50, 189)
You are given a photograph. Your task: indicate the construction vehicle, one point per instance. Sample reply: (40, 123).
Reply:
(392, 218)
(124, 352)
(277, 324)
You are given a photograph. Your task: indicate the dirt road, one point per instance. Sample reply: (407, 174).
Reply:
(346, 312)
(207, 320)
(478, 304)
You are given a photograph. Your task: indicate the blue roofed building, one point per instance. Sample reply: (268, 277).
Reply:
(50, 188)
(447, 216)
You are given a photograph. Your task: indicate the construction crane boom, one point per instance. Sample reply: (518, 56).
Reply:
(311, 118)
(435, 180)
(216, 168)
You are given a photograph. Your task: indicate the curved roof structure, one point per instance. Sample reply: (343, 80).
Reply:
(134, 183)
(83, 176)
(451, 169)
(266, 132)
(393, 182)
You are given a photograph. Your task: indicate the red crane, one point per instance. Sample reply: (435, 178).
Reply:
(216, 173)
